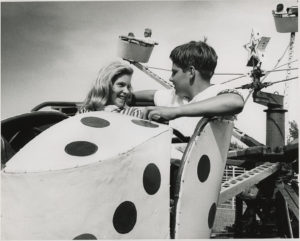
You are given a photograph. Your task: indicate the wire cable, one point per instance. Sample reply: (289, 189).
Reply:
(278, 70)
(286, 64)
(279, 81)
(150, 67)
(245, 75)
(278, 61)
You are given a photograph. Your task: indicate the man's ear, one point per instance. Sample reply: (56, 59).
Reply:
(192, 71)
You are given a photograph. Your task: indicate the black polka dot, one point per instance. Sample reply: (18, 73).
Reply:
(81, 148)
(144, 123)
(125, 217)
(95, 122)
(203, 168)
(151, 179)
(85, 236)
(212, 215)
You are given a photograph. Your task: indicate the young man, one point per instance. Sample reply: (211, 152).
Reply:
(194, 96)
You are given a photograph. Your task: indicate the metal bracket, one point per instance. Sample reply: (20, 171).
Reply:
(268, 99)
(154, 76)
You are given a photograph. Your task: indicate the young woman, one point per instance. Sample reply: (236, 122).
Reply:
(111, 91)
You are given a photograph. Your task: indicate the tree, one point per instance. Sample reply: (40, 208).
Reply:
(293, 131)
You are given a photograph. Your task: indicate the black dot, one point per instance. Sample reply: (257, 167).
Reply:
(81, 148)
(125, 217)
(85, 236)
(203, 168)
(144, 123)
(151, 179)
(95, 122)
(212, 215)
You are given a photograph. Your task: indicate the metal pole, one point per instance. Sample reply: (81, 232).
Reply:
(275, 127)
(238, 213)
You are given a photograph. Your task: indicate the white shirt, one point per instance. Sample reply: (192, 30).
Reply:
(168, 98)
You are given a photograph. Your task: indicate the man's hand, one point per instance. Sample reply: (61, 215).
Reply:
(158, 113)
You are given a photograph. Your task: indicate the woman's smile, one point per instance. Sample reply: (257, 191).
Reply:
(121, 90)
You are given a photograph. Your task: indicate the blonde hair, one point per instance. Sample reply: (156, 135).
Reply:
(100, 92)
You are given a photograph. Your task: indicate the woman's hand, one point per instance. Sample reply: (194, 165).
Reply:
(157, 113)
(112, 108)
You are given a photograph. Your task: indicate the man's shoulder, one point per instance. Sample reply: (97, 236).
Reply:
(167, 98)
(209, 92)
(215, 90)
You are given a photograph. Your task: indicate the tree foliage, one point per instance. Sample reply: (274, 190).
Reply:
(293, 131)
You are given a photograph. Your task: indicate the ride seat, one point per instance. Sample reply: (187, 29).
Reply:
(17, 131)
(199, 179)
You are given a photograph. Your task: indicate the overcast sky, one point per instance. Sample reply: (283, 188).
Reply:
(53, 50)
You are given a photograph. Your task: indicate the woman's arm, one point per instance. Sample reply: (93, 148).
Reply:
(224, 104)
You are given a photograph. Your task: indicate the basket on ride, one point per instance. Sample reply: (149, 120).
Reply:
(286, 22)
(134, 49)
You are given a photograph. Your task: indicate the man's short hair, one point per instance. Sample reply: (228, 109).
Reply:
(197, 54)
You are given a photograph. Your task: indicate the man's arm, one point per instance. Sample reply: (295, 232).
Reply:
(224, 104)
(143, 96)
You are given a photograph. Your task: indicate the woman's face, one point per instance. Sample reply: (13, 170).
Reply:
(121, 91)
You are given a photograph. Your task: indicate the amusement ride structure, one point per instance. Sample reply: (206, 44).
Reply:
(266, 194)
(275, 201)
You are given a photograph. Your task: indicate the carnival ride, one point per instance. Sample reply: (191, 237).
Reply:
(81, 201)
(273, 209)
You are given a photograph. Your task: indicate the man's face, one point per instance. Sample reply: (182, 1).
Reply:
(181, 81)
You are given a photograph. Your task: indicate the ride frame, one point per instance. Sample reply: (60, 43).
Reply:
(272, 193)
